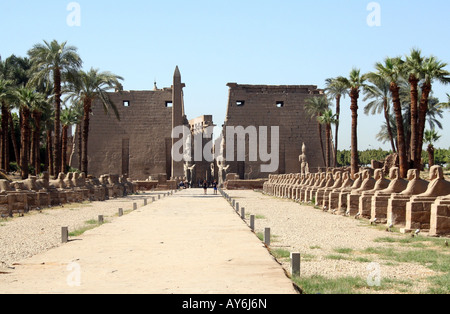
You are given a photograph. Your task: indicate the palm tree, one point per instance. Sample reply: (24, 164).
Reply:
(383, 136)
(5, 97)
(445, 105)
(354, 83)
(37, 110)
(379, 92)
(68, 118)
(391, 69)
(52, 62)
(14, 70)
(316, 106)
(86, 87)
(328, 118)
(413, 71)
(26, 99)
(431, 137)
(433, 70)
(335, 88)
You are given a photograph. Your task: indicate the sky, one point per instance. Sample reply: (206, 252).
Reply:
(214, 42)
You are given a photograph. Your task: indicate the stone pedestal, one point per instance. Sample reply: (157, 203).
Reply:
(440, 218)
(418, 213)
(396, 211)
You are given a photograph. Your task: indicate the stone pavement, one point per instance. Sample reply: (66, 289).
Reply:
(187, 243)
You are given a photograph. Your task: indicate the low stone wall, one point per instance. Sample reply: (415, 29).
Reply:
(411, 204)
(36, 193)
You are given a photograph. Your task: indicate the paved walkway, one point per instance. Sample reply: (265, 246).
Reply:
(184, 244)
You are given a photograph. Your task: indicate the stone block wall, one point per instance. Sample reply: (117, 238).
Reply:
(139, 144)
(283, 106)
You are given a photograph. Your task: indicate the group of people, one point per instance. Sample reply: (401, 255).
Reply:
(203, 184)
(206, 185)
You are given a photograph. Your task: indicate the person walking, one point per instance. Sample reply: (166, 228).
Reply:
(205, 187)
(214, 185)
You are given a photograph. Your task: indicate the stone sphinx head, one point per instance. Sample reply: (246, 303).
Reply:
(394, 173)
(413, 174)
(378, 175)
(436, 172)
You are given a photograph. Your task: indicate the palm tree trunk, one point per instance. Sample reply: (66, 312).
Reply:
(57, 134)
(319, 129)
(423, 110)
(64, 149)
(336, 140)
(50, 169)
(36, 142)
(4, 139)
(328, 147)
(84, 158)
(403, 162)
(389, 128)
(80, 143)
(25, 137)
(413, 81)
(430, 156)
(13, 139)
(354, 95)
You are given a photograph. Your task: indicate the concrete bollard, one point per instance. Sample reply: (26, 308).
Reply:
(159, 196)
(134, 206)
(145, 202)
(295, 264)
(153, 199)
(65, 234)
(252, 222)
(101, 219)
(237, 207)
(243, 213)
(267, 236)
(120, 212)
(234, 203)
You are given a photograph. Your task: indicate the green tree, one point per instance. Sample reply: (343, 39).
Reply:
(327, 119)
(337, 90)
(68, 118)
(26, 100)
(413, 71)
(85, 87)
(355, 82)
(37, 110)
(433, 70)
(14, 70)
(431, 137)
(391, 70)
(52, 62)
(5, 98)
(315, 106)
(378, 91)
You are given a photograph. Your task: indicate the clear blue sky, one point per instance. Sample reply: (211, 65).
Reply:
(248, 41)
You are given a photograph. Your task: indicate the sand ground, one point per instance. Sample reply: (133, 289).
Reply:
(187, 243)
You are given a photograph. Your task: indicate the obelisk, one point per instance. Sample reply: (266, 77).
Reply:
(177, 118)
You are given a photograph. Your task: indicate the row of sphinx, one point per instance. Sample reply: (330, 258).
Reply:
(38, 193)
(410, 204)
